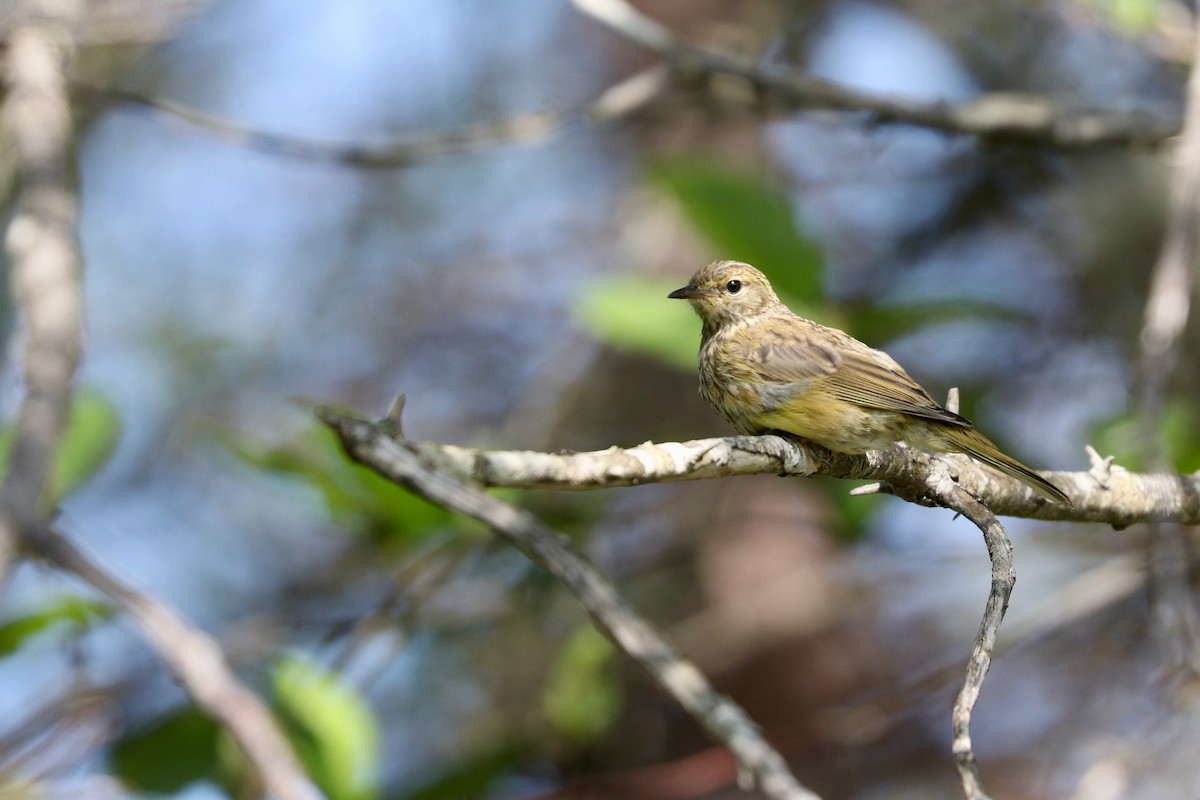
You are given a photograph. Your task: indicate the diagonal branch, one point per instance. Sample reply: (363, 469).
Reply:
(199, 664)
(998, 116)
(759, 764)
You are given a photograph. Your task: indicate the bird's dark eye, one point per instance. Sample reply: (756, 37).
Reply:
(733, 287)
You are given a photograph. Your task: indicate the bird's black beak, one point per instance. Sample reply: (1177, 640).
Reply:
(686, 293)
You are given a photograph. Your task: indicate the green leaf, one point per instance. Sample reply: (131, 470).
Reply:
(748, 219)
(93, 428)
(472, 777)
(582, 697)
(634, 314)
(167, 757)
(76, 612)
(1131, 16)
(1179, 433)
(91, 436)
(355, 495)
(332, 728)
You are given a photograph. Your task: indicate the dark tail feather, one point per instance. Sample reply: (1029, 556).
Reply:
(980, 448)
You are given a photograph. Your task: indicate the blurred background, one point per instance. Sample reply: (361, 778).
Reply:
(516, 293)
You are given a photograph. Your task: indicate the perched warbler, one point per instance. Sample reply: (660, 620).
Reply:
(766, 369)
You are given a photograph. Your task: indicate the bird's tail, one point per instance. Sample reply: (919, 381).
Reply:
(981, 448)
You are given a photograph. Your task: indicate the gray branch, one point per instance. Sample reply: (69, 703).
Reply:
(1167, 309)
(449, 475)
(42, 243)
(998, 116)
(617, 101)
(373, 445)
(1106, 493)
(198, 662)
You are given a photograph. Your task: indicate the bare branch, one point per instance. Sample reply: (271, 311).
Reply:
(42, 242)
(1167, 310)
(620, 100)
(759, 764)
(1122, 499)
(1004, 577)
(198, 663)
(997, 116)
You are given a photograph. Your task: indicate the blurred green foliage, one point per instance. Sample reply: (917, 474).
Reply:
(357, 498)
(1179, 434)
(632, 313)
(334, 732)
(1131, 16)
(744, 218)
(747, 219)
(473, 776)
(582, 695)
(332, 728)
(76, 614)
(91, 435)
(173, 753)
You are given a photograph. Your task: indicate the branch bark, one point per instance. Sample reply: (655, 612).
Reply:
(1167, 309)
(620, 100)
(1001, 116)
(449, 475)
(1107, 493)
(42, 245)
(198, 662)
(373, 445)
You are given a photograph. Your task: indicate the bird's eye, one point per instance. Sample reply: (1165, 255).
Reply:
(733, 287)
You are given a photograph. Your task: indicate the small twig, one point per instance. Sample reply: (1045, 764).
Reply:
(198, 663)
(620, 100)
(998, 116)
(42, 242)
(1004, 577)
(397, 460)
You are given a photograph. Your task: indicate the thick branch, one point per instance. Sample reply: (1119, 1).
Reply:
(198, 663)
(372, 445)
(1104, 494)
(42, 242)
(998, 116)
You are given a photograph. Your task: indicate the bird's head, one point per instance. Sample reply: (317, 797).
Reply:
(725, 292)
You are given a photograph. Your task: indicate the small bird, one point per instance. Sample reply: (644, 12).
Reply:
(765, 369)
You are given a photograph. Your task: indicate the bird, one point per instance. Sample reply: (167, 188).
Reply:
(766, 369)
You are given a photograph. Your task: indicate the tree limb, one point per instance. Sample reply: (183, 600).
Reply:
(1000, 116)
(620, 100)
(199, 664)
(440, 473)
(1106, 494)
(373, 445)
(42, 243)
(1167, 309)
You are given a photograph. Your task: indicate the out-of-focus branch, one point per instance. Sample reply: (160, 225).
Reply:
(759, 764)
(199, 664)
(42, 243)
(997, 116)
(1167, 310)
(620, 100)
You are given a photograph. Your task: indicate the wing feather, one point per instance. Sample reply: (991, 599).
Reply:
(796, 351)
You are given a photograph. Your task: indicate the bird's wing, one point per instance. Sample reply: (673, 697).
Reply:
(846, 368)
